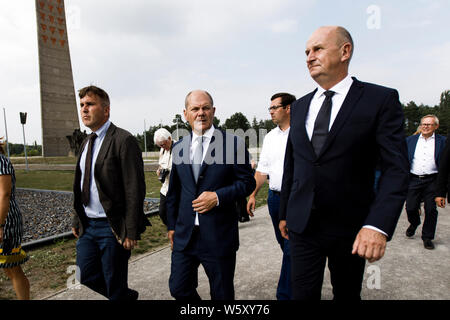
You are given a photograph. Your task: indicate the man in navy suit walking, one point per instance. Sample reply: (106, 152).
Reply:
(210, 171)
(424, 153)
(328, 205)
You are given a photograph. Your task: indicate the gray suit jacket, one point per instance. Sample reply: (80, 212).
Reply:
(119, 175)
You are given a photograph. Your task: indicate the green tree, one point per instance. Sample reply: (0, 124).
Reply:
(237, 121)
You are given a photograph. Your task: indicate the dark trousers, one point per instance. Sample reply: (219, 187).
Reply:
(422, 189)
(183, 279)
(284, 291)
(163, 208)
(102, 261)
(309, 253)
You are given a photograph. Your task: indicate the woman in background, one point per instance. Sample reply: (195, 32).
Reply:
(11, 229)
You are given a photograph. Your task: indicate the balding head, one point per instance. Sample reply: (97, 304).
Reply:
(328, 53)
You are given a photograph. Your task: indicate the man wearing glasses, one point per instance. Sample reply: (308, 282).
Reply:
(424, 153)
(271, 161)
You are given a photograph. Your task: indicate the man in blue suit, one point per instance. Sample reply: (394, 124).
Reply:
(210, 172)
(424, 153)
(328, 205)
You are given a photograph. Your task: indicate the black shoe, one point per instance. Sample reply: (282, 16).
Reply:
(411, 231)
(428, 244)
(132, 295)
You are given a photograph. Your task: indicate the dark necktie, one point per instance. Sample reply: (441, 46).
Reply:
(197, 159)
(322, 123)
(85, 192)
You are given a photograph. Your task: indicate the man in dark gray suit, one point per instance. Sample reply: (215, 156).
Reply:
(210, 171)
(109, 192)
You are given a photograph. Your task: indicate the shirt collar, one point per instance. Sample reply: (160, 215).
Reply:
(339, 88)
(102, 131)
(207, 134)
(281, 131)
(422, 137)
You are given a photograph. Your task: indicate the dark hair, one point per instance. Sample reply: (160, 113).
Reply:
(104, 98)
(286, 98)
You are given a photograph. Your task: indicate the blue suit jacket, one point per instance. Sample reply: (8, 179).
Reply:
(226, 170)
(411, 142)
(339, 181)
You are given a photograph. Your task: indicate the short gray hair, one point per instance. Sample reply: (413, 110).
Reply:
(161, 135)
(436, 119)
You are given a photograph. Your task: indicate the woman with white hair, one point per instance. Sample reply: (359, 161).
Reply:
(163, 139)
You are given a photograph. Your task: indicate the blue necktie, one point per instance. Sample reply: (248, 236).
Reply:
(197, 159)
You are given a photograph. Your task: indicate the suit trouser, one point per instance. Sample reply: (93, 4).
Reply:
(163, 208)
(284, 291)
(422, 189)
(102, 261)
(309, 253)
(183, 279)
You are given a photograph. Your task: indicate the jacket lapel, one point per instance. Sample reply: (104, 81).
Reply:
(303, 112)
(350, 102)
(105, 145)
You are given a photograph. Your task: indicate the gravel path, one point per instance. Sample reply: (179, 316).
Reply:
(48, 213)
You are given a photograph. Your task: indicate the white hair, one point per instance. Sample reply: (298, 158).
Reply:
(161, 135)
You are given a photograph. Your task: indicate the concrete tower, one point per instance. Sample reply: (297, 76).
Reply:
(59, 112)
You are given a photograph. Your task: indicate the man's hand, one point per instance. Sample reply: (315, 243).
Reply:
(251, 205)
(369, 244)
(283, 229)
(170, 236)
(205, 202)
(76, 232)
(440, 202)
(129, 244)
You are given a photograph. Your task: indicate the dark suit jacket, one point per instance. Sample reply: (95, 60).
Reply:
(411, 142)
(119, 175)
(226, 170)
(443, 180)
(338, 182)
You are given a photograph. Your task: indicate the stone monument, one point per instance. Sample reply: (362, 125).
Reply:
(59, 112)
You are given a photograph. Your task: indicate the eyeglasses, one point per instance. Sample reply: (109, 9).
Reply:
(427, 124)
(274, 108)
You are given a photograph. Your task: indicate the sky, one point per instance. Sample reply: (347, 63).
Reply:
(148, 54)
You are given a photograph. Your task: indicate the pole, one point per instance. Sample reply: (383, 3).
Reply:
(145, 140)
(25, 146)
(6, 132)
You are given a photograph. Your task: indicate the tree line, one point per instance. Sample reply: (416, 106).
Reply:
(236, 121)
(413, 113)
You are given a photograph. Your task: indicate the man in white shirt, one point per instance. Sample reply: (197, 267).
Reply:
(270, 164)
(424, 153)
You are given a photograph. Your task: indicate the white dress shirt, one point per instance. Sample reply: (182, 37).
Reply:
(94, 209)
(423, 161)
(207, 135)
(341, 89)
(271, 159)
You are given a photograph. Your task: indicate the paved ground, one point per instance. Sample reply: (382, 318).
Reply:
(407, 272)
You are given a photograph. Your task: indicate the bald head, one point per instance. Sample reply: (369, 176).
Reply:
(198, 92)
(328, 53)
